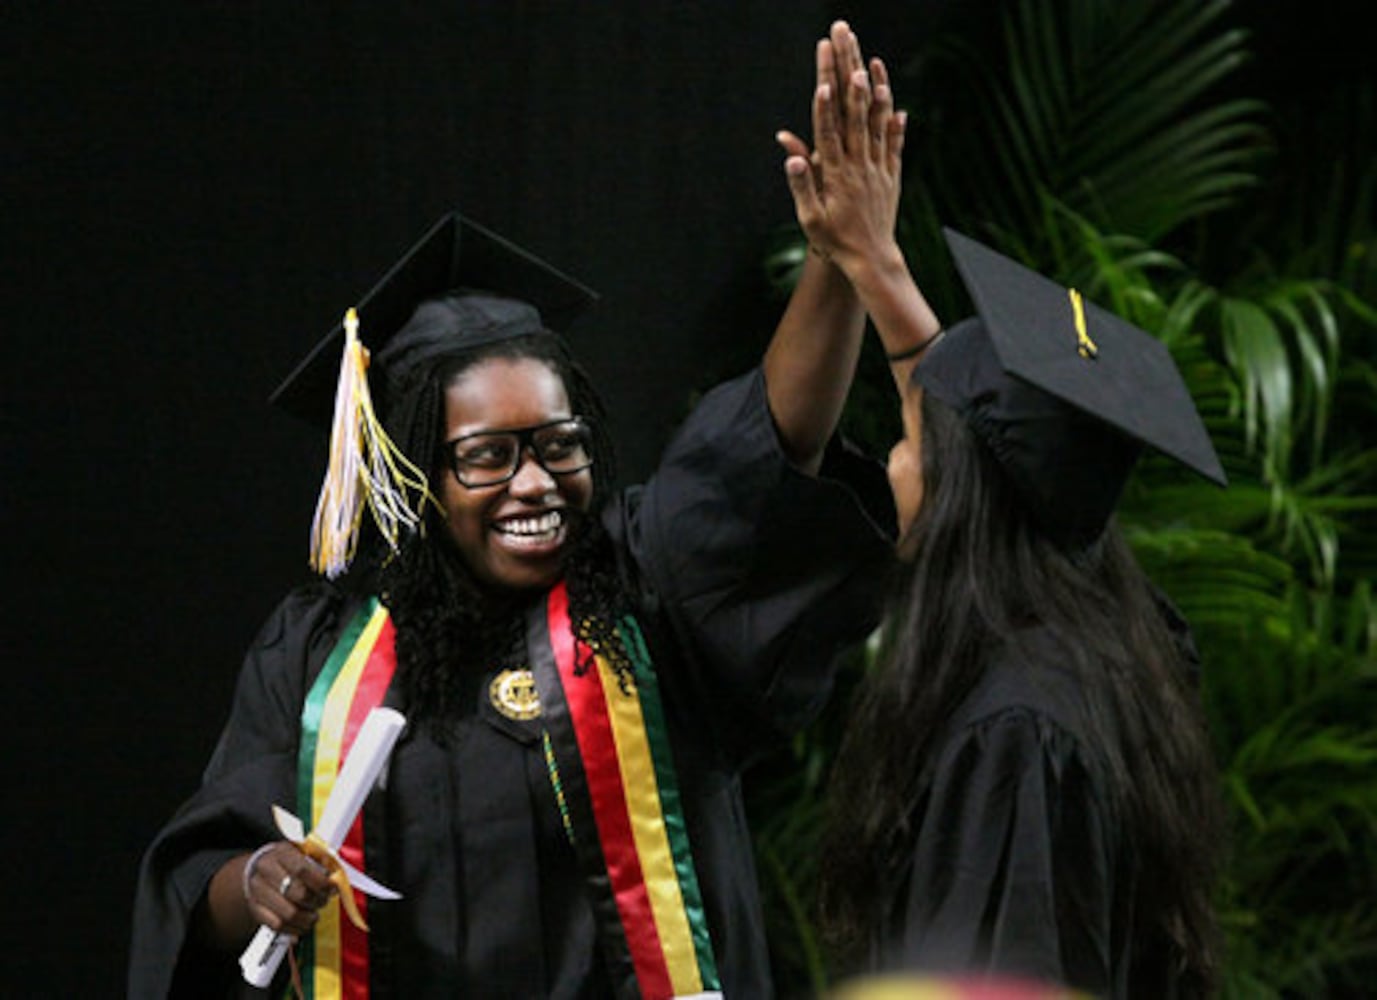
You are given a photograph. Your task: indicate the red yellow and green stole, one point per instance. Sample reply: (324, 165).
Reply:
(607, 749)
(334, 959)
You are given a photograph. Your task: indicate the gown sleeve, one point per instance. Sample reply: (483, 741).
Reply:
(763, 571)
(253, 767)
(1013, 868)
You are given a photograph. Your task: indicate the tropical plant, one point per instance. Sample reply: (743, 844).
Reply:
(1285, 621)
(1100, 142)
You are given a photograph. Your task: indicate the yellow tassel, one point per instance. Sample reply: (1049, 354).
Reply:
(1085, 347)
(365, 467)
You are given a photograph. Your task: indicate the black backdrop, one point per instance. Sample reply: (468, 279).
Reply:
(191, 196)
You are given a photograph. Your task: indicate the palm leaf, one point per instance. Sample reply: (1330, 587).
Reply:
(1099, 109)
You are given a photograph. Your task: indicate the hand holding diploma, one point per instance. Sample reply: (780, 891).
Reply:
(284, 888)
(287, 882)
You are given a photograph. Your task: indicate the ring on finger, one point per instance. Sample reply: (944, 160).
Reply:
(284, 885)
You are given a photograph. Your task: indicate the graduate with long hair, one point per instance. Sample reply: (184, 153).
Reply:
(1026, 787)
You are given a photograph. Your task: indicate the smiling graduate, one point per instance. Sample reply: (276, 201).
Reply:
(586, 670)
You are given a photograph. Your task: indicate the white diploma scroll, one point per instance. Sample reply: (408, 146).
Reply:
(356, 778)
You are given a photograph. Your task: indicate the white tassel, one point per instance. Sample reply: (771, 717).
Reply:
(365, 466)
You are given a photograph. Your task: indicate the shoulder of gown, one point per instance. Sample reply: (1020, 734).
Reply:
(762, 572)
(1017, 848)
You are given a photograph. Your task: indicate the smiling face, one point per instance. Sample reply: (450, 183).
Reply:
(514, 535)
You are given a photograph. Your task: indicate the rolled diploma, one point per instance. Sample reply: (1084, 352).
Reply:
(365, 762)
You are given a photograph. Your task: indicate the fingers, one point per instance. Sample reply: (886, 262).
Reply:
(863, 117)
(845, 189)
(894, 144)
(793, 145)
(826, 125)
(309, 885)
(878, 72)
(798, 170)
(881, 111)
(848, 51)
(858, 104)
(797, 149)
(286, 889)
(826, 57)
(887, 125)
(853, 86)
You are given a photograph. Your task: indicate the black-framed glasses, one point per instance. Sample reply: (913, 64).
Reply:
(489, 458)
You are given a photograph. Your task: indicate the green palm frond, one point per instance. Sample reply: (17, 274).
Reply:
(1221, 583)
(1100, 107)
(1254, 348)
(1308, 961)
(1298, 900)
(1283, 340)
(1276, 387)
(1321, 216)
(1290, 696)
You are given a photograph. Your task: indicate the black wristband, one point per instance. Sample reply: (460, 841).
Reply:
(912, 352)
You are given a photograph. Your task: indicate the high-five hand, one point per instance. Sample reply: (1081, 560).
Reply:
(846, 190)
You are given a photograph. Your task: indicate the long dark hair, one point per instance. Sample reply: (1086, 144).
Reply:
(449, 627)
(980, 571)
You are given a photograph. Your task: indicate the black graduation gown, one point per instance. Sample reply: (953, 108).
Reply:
(1022, 865)
(751, 576)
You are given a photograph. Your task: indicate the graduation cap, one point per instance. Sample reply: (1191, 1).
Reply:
(458, 288)
(455, 254)
(1064, 393)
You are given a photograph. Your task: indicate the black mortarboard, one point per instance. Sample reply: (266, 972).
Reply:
(455, 253)
(1063, 393)
(460, 287)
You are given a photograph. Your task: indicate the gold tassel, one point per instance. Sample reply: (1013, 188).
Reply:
(1085, 347)
(365, 466)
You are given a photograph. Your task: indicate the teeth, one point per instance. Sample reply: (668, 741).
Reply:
(532, 525)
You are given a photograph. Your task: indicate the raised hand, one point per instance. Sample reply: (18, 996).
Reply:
(846, 190)
(846, 196)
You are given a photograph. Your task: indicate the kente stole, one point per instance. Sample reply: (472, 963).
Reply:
(334, 959)
(607, 751)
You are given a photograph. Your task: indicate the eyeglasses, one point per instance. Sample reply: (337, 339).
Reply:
(489, 458)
